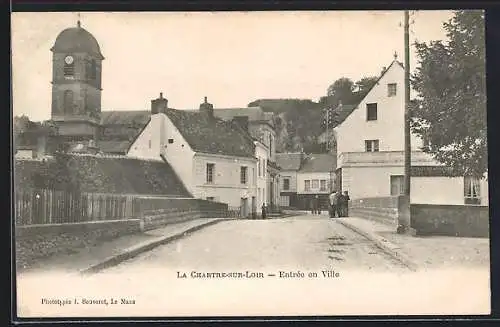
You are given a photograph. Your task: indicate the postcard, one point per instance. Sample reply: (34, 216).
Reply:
(228, 164)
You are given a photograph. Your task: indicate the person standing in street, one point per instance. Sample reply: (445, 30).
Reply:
(264, 214)
(316, 205)
(340, 204)
(333, 203)
(346, 199)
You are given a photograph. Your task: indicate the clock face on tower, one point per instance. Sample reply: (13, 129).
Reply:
(69, 60)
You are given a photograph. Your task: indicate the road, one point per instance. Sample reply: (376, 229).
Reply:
(306, 242)
(365, 281)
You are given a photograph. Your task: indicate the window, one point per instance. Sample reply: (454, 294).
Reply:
(322, 185)
(315, 184)
(258, 167)
(150, 144)
(210, 173)
(92, 70)
(264, 167)
(472, 190)
(243, 175)
(371, 145)
(397, 185)
(68, 101)
(307, 185)
(170, 141)
(69, 70)
(391, 89)
(210, 198)
(286, 184)
(371, 111)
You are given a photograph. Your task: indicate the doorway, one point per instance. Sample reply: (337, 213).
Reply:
(254, 207)
(244, 207)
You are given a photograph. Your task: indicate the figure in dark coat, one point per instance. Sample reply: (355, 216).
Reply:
(333, 199)
(345, 199)
(316, 205)
(264, 213)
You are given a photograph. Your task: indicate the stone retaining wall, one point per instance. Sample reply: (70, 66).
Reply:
(383, 209)
(424, 219)
(450, 220)
(41, 241)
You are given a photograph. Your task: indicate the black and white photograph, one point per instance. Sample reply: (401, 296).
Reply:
(229, 164)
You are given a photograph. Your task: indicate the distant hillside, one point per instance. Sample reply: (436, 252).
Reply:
(298, 122)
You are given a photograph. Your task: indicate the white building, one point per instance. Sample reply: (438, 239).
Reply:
(304, 177)
(370, 157)
(260, 125)
(289, 164)
(262, 156)
(215, 159)
(314, 178)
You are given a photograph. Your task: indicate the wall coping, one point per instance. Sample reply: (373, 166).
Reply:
(450, 205)
(102, 222)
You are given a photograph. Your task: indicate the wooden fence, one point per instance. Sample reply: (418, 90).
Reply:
(44, 206)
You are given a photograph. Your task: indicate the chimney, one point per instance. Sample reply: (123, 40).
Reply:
(159, 105)
(92, 147)
(207, 108)
(242, 121)
(383, 70)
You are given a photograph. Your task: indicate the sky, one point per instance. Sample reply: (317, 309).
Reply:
(233, 58)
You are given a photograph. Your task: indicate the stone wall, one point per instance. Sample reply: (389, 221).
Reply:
(425, 219)
(34, 242)
(450, 220)
(382, 209)
(41, 241)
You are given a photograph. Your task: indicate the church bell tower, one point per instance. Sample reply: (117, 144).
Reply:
(76, 84)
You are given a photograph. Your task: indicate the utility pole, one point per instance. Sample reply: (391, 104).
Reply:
(407, 150)
(327, 129)
(404, 223)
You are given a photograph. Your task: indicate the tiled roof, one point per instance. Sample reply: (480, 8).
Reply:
(319, 163)
(289, 161)
(253, 113)
(211, 135)
(130, 123)
(136, 117)
(97, 174)
(118, 146)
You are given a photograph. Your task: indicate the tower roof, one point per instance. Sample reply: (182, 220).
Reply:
(77, 39)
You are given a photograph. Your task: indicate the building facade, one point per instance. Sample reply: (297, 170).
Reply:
(314, 179)
(289, 164)
(260, 125)
(214, 159)
(370, 151)
(76, 85)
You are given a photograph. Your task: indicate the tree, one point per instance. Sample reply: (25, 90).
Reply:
(346, 91)
(450, 111)
(363, 86)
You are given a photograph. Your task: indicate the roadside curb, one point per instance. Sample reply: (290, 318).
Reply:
(141, 248)
(386, 246)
